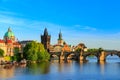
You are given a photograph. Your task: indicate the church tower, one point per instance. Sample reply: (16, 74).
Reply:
(60, 40)
(45, 39)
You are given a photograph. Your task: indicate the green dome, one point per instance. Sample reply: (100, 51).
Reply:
(9, 33)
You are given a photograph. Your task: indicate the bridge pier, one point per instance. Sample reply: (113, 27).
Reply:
(102, 57)
(81, 58)
(61, 57)
(65, 59)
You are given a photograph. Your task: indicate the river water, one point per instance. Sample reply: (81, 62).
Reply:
(91, 70)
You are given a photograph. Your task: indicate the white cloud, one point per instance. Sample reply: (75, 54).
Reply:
(90, 28)
(31, 29)
(5, 13)
(86, 27)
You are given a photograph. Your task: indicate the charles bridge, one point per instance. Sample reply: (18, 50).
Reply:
(101, 55)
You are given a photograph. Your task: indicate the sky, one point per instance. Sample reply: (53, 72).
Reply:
(96, 23)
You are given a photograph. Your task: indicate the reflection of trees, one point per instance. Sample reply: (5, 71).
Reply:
(40, 68)
(64, 65)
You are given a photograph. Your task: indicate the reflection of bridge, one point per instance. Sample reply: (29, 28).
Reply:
(81, 55)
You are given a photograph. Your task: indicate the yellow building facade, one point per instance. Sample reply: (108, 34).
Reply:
(9, 43)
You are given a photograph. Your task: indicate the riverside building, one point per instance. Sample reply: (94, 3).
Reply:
(9, 43)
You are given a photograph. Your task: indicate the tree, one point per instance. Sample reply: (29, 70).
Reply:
(94, 50)
(78, 50)
(16, 50)
(42, 53)
(1, 53)
(35, 51)
(30, 51)
(17, 55)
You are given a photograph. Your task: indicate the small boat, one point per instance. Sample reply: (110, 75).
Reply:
(7, 66)
(23, 61)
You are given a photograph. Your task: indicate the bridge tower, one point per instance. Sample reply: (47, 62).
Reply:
(45, 39)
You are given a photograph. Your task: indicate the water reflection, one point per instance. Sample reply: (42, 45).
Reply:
(22, 65)
(62, 65)
(40, 68)
(6, 73)
(102, 67)
(113, 58)
(60, 70)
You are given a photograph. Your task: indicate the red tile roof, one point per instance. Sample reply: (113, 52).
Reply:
(9, 41)
(2, 41)
(16, 43)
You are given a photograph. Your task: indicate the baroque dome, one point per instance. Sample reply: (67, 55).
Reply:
(9, 33)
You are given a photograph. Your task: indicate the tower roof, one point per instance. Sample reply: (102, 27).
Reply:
(9, 33)
(60, 35)
(45, 31)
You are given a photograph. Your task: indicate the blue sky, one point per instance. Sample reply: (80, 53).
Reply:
(93, 22)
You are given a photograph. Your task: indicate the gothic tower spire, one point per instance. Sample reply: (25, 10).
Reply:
(45, 39)
(45, 32)
(60, 35)
(60, 40)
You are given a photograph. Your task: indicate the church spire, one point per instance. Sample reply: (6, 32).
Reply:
(60, 35)
(45, 32)
(60, 40)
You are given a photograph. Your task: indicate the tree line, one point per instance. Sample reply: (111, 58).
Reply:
(33, 51)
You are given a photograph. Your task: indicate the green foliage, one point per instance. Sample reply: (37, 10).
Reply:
(17, 55)
(101, 49)
(16, 50)
(94, 50)
(35, 51)
(13, 58)
(1, 53)
(78, 50)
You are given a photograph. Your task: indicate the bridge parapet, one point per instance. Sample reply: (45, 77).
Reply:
(81, 56)
(111, 52)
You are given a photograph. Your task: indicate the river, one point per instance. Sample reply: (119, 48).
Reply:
(91, 70)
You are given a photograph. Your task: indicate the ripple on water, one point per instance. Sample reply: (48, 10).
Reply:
(90, 70)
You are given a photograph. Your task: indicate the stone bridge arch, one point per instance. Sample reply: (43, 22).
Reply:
(70, 55)
(97, 54)
(55, 55)
(102, 55)
(89, 54)
(107, 53)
